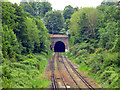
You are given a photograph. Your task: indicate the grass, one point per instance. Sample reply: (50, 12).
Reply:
(83, 67)
(27, 72)
(100, 66)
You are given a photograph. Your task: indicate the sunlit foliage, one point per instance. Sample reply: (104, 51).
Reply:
(94, 40)
(23, 35)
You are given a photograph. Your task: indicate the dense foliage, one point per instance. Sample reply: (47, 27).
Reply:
(54, 21)
(68, 11)
(82, 25)
(37, 9)
(95, 42)
(25, 47)
(19, 29)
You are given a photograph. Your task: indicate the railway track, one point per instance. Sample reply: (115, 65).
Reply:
(54, 83)
(79, 75)
(61, 75)
(70, 73)
(59, 57)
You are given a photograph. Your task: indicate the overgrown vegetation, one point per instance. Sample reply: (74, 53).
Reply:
(25, 42)
(36, 8)
(95, 43)
(25, 49)
(27, 72)
(54, 21)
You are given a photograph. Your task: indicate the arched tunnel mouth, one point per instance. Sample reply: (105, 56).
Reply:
(59, 47)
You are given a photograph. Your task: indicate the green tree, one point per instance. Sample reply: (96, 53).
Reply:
(54, 21)
(11, 22)
(10, 45)
(44, 38)
(108, 26)
(95, 42)
(45, 7)
(23, 36)
(37, 9)
(24, 28)
(66, 25)
(31, 31)
(27, 7)
(109, 2)
(68, 11)
(82, 25)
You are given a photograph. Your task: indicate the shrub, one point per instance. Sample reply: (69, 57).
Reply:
(111, 58)
(112, 76)
(25, 73)
(30, 56)
(100, 65)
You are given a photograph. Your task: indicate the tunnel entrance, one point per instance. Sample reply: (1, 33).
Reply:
(59, 47)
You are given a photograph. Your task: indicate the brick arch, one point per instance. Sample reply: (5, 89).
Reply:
(59, 40)
(62, 38)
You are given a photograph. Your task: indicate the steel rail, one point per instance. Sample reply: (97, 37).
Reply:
(62, 77)
(70, 74)
(79, 75)
(54, 83)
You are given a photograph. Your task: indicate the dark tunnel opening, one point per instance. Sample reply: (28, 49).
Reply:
(59, 47)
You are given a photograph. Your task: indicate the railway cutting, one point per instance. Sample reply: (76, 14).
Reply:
(64, 74)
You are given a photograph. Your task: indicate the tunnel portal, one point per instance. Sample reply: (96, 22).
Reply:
(59, 47)
(59, 43)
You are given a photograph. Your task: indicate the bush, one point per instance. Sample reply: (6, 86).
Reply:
(111, 58)
(101, 65)
(30, 56)
(25, 73)
(110, 76)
